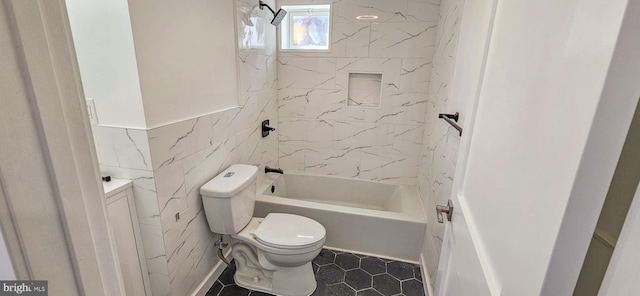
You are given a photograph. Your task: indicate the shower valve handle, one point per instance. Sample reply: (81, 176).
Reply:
(266, 128)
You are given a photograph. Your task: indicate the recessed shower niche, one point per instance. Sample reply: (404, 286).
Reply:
(364, 89)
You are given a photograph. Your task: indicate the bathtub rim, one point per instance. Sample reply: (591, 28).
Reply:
(417, 217)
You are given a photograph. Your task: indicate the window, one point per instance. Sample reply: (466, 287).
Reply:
(305, 27)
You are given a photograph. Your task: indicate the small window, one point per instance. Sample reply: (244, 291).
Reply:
(306, 27)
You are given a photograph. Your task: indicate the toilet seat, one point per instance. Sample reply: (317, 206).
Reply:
(288, 231)
(247, 235)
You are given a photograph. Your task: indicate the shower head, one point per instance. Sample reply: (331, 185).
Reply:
(277, 16)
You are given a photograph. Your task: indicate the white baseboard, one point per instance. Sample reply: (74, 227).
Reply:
(426, 280)
(213, 275)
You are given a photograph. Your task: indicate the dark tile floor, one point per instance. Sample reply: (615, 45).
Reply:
(344, 274)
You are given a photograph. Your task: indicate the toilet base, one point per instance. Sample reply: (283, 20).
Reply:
(281, 281)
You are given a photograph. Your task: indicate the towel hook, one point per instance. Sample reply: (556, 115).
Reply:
(452, 119)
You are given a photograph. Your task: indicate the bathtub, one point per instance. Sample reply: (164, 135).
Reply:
(360, 216)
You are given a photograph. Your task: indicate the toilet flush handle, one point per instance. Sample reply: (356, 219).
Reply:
(448, 209)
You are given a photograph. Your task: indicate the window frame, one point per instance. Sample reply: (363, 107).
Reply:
(285, 31)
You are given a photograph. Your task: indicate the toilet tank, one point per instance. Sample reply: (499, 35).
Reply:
(229, 198)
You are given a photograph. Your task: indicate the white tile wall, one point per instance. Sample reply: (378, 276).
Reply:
(441, 142)
(146, 199)
(402, 40)
(350, 40)
(122, 147)
(332, 162)
(188, 241)
(389, 68)
(307, 133)
(189, 153)
(168, 164)
(399, 108)
(331, 105)
(415, 75)
(320, 133)
(423, 10)
(363, 136)
(387, 11)
(306, 72)
(292, 158)
(389, 167)
(175, 141)
(258, 70)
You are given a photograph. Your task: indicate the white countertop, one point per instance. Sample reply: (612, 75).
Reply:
(115, 186)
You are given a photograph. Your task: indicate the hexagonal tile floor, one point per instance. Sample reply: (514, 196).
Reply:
(344, 274)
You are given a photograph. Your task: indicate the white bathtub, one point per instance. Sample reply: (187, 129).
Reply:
(360, 216)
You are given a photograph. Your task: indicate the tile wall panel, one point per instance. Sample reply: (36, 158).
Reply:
(187, 154)
(168, 164)
(441, 142)
(320, 133)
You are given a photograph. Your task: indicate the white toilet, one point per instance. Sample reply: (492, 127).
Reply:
(273, 254)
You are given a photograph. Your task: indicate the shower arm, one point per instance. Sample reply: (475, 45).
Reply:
(262, 4)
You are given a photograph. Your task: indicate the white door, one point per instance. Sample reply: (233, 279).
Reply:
(460, 271)
(551, 96)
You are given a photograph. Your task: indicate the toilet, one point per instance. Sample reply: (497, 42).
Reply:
(273, 254)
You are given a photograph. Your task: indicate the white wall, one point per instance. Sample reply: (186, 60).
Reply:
(6, 270)
(104, 46)
(186, 57)
(542, 65)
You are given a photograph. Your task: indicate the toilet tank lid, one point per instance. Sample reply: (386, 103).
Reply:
(230, 181)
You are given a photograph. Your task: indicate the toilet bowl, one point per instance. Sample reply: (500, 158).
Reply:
(272, 254)
(282, 253)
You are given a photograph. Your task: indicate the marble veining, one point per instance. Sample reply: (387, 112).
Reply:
(306, 72)
(327, 128)
(387, 11)
(415, 75)
(146, 200)
(187, 154)
(423, 10)
(122, 147)
(388, 67)
(168, 164)
(402, 40)
(440, 144)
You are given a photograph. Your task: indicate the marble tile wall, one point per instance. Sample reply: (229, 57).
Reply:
(441, 142)
(320, 133)
(187, 154)
(168, 164)
(124, 153)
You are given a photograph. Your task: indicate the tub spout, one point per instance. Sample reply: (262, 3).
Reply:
(273, 170)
